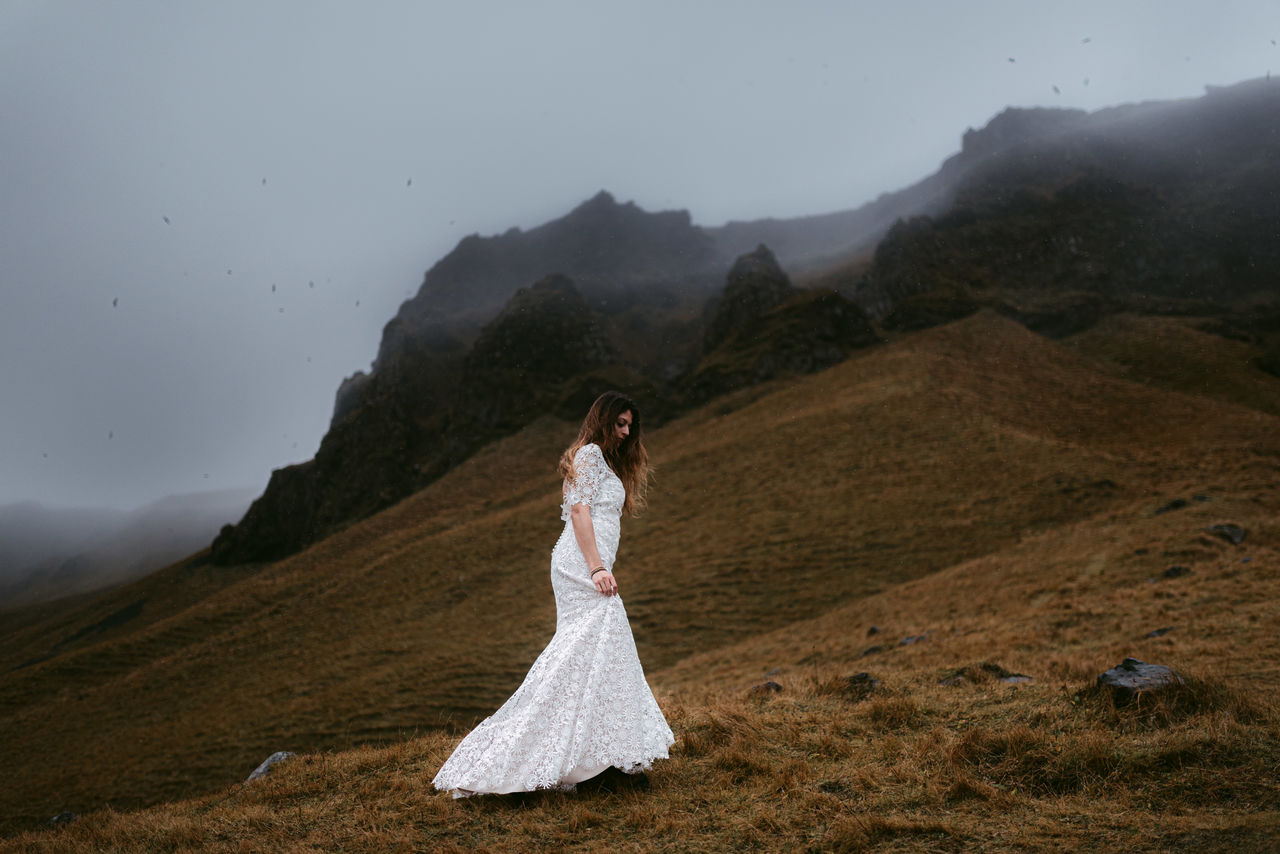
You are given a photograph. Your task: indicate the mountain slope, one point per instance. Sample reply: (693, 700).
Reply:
(939, 754)
(943, 447)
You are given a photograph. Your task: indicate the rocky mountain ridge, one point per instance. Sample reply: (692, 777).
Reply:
(1053, 217)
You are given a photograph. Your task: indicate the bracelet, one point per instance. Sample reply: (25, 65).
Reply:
(598, 569)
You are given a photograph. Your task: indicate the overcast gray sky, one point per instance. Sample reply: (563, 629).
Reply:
(114, 116)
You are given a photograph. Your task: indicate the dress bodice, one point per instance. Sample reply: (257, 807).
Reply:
(594, 484)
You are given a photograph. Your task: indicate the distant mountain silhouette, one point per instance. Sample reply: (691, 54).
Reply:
(1055, 218)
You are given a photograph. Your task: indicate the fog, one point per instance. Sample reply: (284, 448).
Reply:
(208, 211)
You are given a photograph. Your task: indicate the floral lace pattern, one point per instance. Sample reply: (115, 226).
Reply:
(584, 705)
(593, 484)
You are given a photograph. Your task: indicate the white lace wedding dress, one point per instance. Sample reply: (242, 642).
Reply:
(584, 705)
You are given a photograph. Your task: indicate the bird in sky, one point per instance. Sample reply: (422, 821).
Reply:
(1011, 59)
(1085, 40)
(111, 434)
(409, 183)
(166, 220)
(114, 301)
(264, 182)
(1057, 91)
(273, 287)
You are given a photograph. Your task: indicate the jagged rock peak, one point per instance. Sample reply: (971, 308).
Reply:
(555, 282)
(545, 334)
(758, 269)
(555, 294)
(601, 200)
(1015, 125)
(756, 284)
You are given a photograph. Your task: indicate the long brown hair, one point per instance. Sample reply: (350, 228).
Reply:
(628, 458)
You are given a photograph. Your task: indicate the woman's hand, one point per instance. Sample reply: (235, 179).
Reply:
(605, 583)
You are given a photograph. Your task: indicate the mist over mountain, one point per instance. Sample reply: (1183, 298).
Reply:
(50, 552)
(1053, 217)
(1175, 201)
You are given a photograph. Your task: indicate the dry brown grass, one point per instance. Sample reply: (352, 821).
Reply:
(975, 484)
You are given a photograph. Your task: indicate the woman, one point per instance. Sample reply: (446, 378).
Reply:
(585, 705)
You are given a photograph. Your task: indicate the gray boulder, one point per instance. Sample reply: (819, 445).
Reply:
(1131, 678)
(1233, 534)
(262, 770)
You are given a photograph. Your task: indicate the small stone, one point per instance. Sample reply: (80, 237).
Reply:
(1176, 572)
(1232, 533)
(1132, 677)
(1004, 675)
(872, 650)
(765, 689)
(1160, 632)
(874, 630)
(262, 770)
(1175, 504)
(860, 685)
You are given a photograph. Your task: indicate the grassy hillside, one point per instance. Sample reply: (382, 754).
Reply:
(974, 482)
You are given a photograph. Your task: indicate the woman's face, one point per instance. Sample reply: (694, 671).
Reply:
(622, 427)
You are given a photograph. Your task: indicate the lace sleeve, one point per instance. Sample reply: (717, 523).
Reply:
(588, 475)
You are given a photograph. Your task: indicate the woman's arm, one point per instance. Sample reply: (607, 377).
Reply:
(585, 533)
